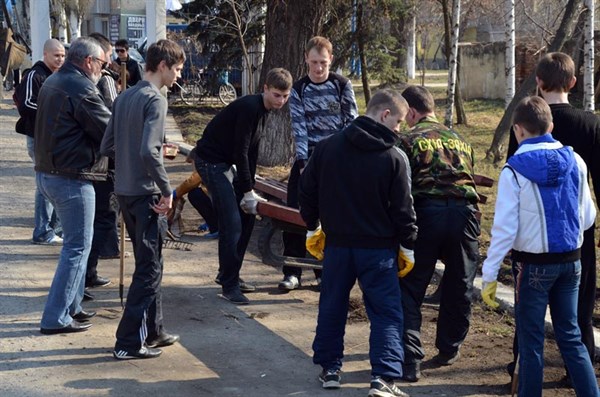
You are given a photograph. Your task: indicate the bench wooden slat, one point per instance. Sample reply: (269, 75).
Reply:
(271, 187)
(481, 180)
(281, 212)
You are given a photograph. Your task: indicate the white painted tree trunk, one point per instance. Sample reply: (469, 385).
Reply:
(588, 57)
(510, 51)
(411, 53)
(453, 56)
(58, 20)
(74, 24)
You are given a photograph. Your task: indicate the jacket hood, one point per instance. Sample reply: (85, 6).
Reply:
(368, 135)
(543, 160)
(41, 64)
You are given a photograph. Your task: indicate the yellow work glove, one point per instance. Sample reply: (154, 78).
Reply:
(315, 242)
(488, 294)
(406, 261)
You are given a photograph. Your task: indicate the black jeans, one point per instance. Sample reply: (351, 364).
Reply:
(448, 231)
(294, 244)
(106, 238)
(143, 318)
(235, 226)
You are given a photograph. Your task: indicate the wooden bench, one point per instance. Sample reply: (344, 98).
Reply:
(284, 218)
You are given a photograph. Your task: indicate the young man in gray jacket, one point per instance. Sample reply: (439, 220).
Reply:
(134, 137)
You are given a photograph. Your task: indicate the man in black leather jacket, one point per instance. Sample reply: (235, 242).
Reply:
(69, 126)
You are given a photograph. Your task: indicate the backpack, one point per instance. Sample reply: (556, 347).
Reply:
(20, 94)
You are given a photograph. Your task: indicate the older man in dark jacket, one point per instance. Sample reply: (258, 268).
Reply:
(70, 123)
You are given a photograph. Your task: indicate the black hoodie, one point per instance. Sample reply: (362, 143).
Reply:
(358, 185)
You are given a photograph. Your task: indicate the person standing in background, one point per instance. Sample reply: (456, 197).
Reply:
(47, 226)
(321, 104)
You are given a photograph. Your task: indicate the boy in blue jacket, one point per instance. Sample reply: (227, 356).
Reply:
(543, 207)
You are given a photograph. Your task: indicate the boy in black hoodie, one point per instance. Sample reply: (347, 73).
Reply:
(364, 234)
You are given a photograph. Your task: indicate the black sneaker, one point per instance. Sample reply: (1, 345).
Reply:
(411, 372)
(144, 352)
(382, 388)
(447, 359)
(244, 286)
(163, 340)
(97, 282)
(236, 297)
(330, 378)
(87, 296)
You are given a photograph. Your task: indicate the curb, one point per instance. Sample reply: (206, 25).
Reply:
(506, 298)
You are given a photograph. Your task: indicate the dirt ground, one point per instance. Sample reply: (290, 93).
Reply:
(263, 349)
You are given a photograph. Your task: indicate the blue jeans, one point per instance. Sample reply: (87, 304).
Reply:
(74, 201)
(47, 224)
(537, 287)
(376, 271)
(235, 226)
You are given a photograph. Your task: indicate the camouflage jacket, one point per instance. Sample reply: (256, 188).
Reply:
(441, 161)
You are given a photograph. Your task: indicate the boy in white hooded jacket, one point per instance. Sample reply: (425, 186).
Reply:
(543, 206)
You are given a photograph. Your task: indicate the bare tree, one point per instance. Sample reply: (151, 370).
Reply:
(452, 63)
(568, 22)
(588, 57)
(243, 14)
(510, 51)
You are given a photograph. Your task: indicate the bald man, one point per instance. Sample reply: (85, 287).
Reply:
(47, 226)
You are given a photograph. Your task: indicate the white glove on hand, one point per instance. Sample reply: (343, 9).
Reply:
(250, 201)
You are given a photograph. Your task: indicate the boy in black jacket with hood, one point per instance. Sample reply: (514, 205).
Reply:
(357, 184)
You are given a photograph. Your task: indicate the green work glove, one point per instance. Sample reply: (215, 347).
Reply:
(315, 242)
(406, 261)
(488, 294)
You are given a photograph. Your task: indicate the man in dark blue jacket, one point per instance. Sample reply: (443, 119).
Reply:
(357, 185)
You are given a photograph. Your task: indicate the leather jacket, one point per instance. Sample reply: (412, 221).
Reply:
(70, 124)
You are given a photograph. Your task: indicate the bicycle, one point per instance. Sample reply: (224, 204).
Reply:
(193, 91)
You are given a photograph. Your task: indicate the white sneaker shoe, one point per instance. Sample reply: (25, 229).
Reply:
(55, 240)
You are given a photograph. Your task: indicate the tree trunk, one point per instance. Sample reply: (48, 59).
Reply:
(461, 115)
(58, 20)
(588, 58)
(452, 64)
(569, 20)
(509, 52)
(288, 26)
(412, 45)
(364, 67)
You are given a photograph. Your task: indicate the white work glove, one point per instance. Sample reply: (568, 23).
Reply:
(406, 261)
(250, 202)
